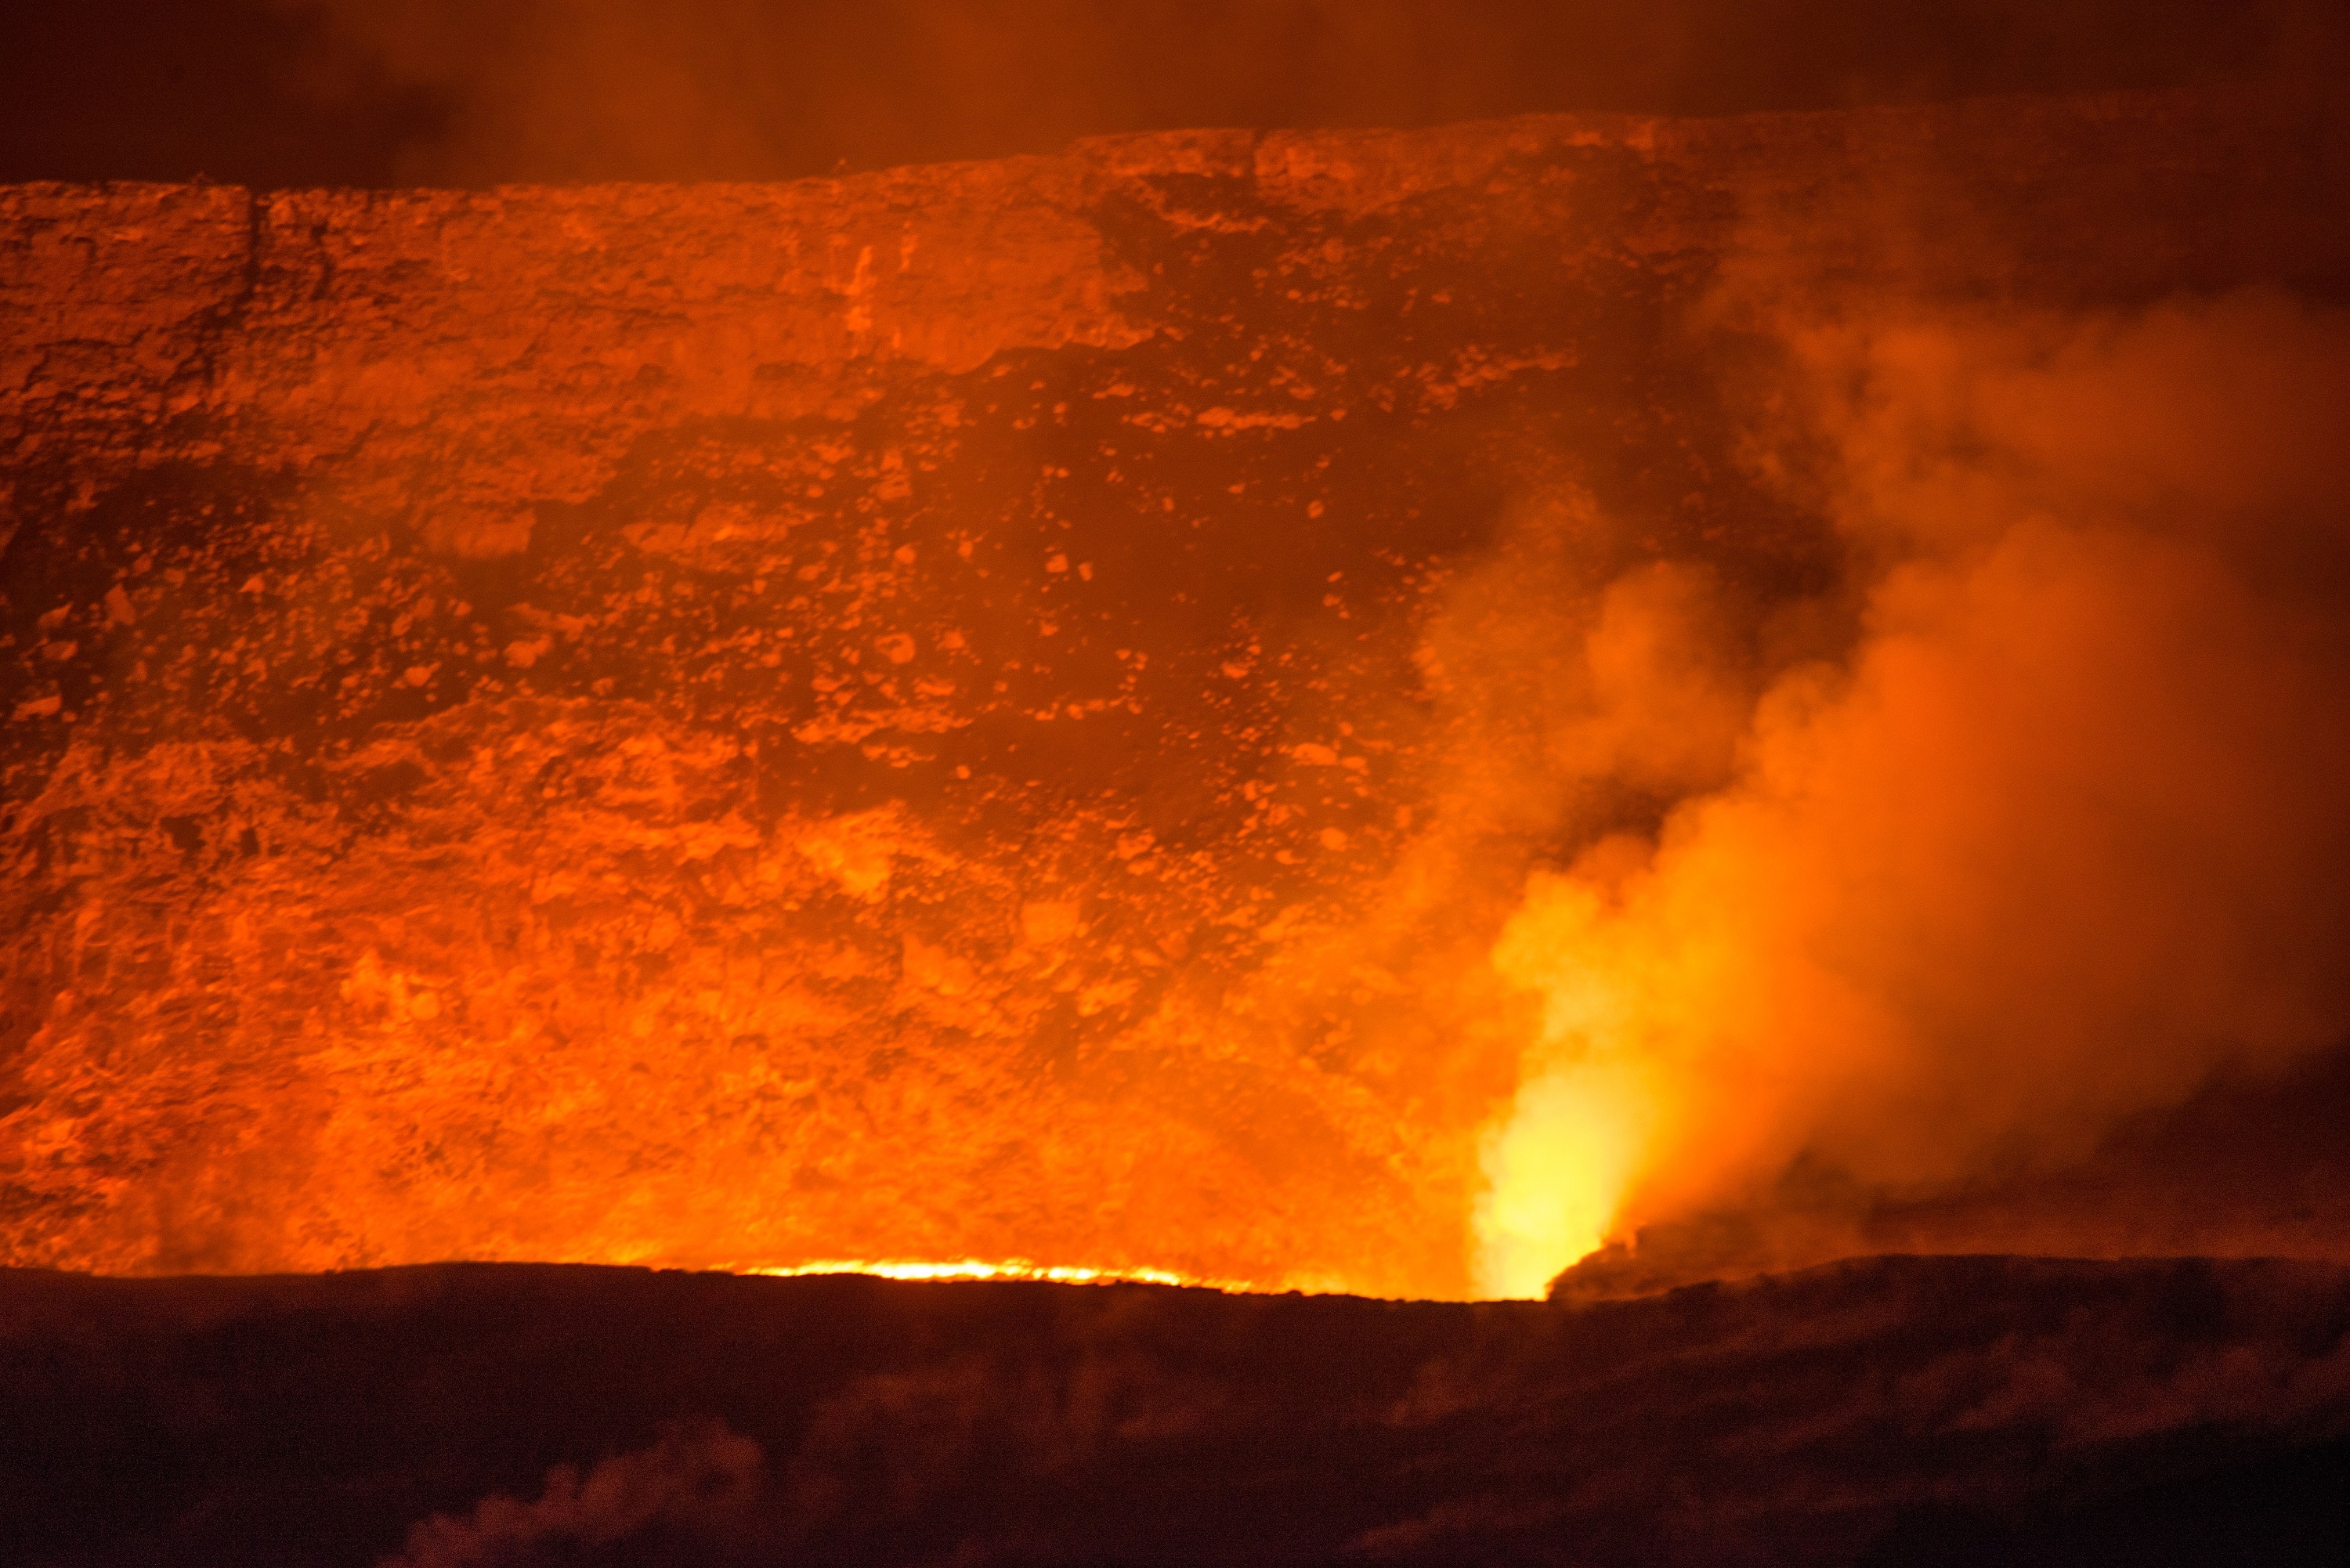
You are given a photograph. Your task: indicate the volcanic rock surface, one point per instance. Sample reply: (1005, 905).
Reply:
(891, 716)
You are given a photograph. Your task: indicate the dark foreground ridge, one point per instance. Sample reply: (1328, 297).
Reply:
(1895, 1410)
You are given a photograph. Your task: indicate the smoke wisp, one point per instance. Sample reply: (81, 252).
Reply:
(685, 1498)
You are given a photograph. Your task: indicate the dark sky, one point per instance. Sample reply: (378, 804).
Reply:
(373, 92)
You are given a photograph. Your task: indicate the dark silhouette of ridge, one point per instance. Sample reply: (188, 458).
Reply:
(1877, 1411)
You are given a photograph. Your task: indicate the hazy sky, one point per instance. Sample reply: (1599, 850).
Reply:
(279, 92)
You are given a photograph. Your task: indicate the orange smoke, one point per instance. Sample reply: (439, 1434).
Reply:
(1089, 718)
(2060, 837)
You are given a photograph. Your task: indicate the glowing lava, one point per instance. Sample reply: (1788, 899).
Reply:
(1366, 710)
(1012, 1269)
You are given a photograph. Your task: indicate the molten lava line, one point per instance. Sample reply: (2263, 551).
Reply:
(1012, 1269)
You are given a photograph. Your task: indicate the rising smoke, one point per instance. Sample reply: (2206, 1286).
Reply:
(2057, 839)
(688, 1498)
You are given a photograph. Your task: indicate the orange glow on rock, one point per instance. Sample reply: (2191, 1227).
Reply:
(1366, 712)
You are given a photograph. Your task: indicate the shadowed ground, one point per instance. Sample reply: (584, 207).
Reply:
(1887, 1411)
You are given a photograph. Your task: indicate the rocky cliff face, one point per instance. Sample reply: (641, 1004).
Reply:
(897, 717)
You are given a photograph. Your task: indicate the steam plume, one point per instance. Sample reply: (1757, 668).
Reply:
(692, 1487)
(2062, 835)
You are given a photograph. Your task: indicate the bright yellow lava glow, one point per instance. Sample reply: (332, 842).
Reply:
(1558, 1171)
(1008, 1269)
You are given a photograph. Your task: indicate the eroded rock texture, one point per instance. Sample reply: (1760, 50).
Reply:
(912, 716)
